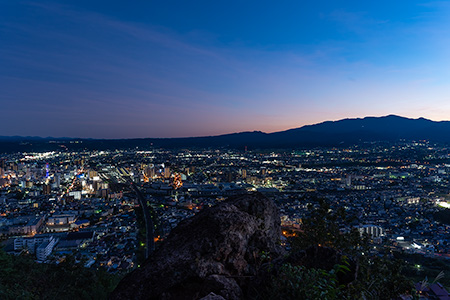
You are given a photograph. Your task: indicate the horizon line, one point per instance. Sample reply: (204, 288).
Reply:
(215, 135)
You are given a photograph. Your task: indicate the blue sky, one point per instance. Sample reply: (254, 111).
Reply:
(112, 69)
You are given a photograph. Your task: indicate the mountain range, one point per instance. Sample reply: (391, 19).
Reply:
(344, 132)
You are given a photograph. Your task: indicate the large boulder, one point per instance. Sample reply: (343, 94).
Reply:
(215, 253)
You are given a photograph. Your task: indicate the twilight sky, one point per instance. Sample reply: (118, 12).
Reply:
(122, 69)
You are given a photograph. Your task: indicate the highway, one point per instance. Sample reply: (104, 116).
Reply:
(149, 226)
(148, 220)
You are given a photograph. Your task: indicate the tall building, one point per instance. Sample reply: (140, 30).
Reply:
(150, 171)
(57, 179)
(167, 172)
(92, 174)
(229, 175)
(46, 189)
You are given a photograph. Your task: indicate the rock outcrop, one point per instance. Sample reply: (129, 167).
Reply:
(212, 255)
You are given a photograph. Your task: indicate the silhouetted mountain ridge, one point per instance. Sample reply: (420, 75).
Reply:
(389, 128)
(348, 131)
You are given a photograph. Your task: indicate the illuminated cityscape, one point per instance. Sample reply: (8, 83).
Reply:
(224, 150)
(56, 195)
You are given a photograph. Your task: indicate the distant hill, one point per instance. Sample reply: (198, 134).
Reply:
(330, 133)
(349, 131)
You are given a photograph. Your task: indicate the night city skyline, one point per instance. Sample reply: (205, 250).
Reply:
(224, 150)
(112, 70)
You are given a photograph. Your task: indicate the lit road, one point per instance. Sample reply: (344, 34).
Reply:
(148, 220)
(150, 242)
(80, 171)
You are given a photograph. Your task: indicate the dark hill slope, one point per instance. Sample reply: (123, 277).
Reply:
(331, 133)
(348, 131)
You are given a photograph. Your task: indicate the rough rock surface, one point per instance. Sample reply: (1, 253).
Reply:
(213, 296)
(216, 251)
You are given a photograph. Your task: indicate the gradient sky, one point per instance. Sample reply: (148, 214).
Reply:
(122, 69)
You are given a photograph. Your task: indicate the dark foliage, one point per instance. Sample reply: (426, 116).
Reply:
(443, 216)
(22, 278)
(358, 272)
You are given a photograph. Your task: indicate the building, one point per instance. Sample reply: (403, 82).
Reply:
(75, 194)
(150, 172)
(61, 222)
(167, 172)
(45, 248)
(46, 189)
(57, 180)
(93, 174)
(41, 245)
(34, 225)
(432, 291)
(372, 230)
